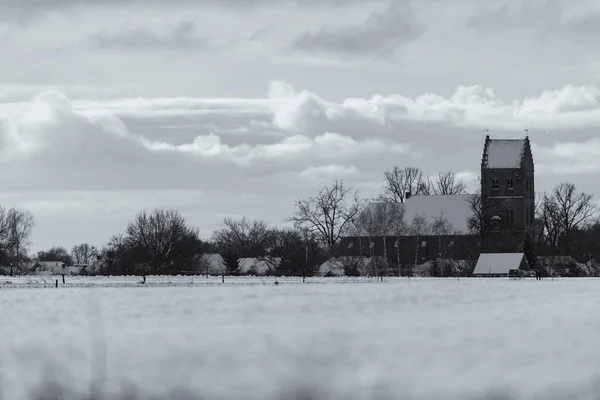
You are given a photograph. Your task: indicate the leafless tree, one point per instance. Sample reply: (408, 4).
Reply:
(20, 224)
(446, 183)
(563, 212)
(164, 239)
(328, 214)
(247, 238)
(549, 216)
(419, 226)
(442, 228)
(483, 210)
(82, 254)
(399, 181)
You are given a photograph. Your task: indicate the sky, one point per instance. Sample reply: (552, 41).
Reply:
(231, 108)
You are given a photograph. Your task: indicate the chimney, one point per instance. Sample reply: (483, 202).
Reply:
(407, 196)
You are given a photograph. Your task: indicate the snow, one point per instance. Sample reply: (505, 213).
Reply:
(505, 153)
(417, 339)
(497, 263)
(215, 263)
(260, 265)
(456, 209)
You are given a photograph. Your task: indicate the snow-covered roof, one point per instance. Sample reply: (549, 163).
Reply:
(261, 265)
(214, 262)
(505, 153)
(455, 208)
(497, 263)
(335, 265)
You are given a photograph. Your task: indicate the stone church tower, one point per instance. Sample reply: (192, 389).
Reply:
(507, 194)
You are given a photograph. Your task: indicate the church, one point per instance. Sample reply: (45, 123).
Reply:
(497, 219)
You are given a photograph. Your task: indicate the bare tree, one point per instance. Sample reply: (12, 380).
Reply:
(249, 238)
(55, 253)
(442, 228)
(20, 224)
(419, 226)
(82, 254)
(446, 183)
(566, 211)
(400, 181)
(328, 214)
(163, 240)
(483, 210)
(549, 216)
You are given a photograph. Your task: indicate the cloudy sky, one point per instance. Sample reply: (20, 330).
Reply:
(239, 107)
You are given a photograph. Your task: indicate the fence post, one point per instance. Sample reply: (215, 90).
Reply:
(56, 284)
(223, 278)
(63, 277)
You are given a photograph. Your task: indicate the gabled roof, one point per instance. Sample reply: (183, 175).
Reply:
(261, 265)
(455, 208)
(503, 153)
(497, 263)
(214, 263)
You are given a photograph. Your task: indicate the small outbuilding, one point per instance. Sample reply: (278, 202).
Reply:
(499, 264)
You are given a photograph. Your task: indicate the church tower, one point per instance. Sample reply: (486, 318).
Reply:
(507, 194)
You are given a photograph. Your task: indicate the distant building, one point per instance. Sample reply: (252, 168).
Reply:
(258, 266)
(506, 213)
(508, 189)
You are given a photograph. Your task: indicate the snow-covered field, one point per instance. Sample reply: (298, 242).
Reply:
(423, 339)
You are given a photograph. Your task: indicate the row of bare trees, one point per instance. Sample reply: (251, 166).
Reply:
(402, 180)
(162, 242)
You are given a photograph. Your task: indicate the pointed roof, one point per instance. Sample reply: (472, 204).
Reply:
(498, 263)
(503, 153)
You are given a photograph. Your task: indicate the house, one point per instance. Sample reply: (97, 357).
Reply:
(499, 264)
(258, 266)
(46, 267)
(503, 208)
(212, 264)
(336, 266)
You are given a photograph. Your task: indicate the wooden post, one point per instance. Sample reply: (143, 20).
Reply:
(63, 277)
(304, 276)
(56, 284)
(223, 278)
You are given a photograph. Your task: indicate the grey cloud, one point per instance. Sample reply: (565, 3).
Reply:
(583, 26)
(544, 16)
(527, 15)
(381, 34)
(182, 36)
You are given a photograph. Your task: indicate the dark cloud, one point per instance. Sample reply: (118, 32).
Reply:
(380, 35)
(181, 36)
(546, 16)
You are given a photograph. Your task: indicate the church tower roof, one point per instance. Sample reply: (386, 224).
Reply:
(504, 153)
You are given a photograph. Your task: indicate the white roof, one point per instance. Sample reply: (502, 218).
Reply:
(336, 265)
(497, 263)
(505, 153)
(455, 208)
(261, 265)
(215, 263)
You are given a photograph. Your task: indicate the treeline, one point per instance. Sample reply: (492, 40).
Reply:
(162, 242)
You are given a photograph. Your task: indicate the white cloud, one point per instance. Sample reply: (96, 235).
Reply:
(287, 145)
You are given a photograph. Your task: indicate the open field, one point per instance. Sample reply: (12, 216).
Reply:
(251, 339)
